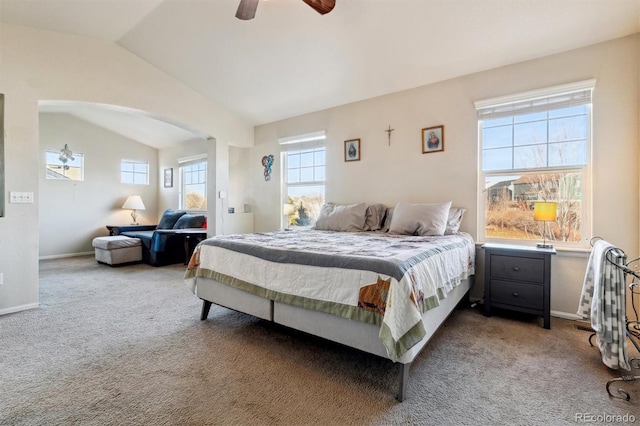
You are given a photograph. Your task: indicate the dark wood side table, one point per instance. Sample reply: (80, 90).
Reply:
(117, 229)
(518, 278)
(191, 237)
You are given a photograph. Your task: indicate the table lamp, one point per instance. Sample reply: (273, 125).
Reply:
(287, 210)
(544, 211)
(134, 202)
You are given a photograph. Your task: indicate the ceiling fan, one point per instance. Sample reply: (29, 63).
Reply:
(247, 8)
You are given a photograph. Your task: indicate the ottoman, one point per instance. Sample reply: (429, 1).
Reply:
(117, 249)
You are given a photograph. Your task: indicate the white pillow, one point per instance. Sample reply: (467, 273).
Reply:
(454, 220)
(420, 219)
(349, 217)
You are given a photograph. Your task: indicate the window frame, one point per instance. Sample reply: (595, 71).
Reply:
(190, 161)
(134, 173)
(79, 157)
(312, 142)
(537, 99)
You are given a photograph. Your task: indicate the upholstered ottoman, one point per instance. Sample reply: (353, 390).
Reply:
(117, 249)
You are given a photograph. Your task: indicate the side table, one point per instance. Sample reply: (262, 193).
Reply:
(191, 237)
(518, 278)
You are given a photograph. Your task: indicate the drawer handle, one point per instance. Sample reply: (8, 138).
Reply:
(515, 294)
(516, 268)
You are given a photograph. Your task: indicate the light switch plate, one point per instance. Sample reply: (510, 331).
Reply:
(21, 197)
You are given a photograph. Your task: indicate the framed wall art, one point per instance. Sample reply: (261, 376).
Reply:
(168, 178)
(432, 139)
(352, 150)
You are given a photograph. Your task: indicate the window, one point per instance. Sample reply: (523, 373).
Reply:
(71, 168)
(193, 184)
(134, 172)
(303, 161)
(535, 147)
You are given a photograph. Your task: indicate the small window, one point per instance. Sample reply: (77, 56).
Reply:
(59, 167)
(134, 172)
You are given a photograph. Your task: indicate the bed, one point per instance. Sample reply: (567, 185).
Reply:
(378, 292)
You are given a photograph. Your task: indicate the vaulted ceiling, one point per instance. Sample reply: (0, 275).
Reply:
(290, 60)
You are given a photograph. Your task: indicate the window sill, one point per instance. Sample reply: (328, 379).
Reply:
(560, 251)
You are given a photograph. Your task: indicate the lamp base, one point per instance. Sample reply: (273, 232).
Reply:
(134, 216)
(544, 246)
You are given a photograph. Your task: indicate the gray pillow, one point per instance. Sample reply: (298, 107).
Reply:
(386, 224)
(348, 217)
(454, 220)
(189, 221)
(420, 219)
(374, 217)
(169, 219)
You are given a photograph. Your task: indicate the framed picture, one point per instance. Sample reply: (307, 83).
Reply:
(352, 150)
(432, 139)
(168, 178)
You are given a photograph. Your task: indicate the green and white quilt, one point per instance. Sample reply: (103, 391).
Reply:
(382, 279)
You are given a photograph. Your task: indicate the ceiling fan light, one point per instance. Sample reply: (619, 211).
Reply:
(66, 154)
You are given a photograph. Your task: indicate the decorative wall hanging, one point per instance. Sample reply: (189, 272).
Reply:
(168, 178)
(352, 150)
(432, 139)
(389, 130)
(267, 162)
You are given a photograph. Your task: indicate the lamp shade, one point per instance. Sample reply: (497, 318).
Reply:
(545, 211)
(133, 202)
(287, 209)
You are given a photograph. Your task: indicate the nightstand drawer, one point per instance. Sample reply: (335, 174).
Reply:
(517, 294)
(517, 268)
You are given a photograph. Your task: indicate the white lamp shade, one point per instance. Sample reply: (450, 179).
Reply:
(134, 202)
(288, 209)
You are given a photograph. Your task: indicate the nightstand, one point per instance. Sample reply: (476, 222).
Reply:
(518, 278)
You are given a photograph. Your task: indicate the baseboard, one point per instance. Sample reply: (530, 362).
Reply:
(558, 314)
(60, 256)
(15, 309)
(566, 315)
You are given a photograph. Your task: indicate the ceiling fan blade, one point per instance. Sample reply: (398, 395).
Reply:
(321, 6)
(247, 9)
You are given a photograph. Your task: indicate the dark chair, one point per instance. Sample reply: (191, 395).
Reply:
(169, 242)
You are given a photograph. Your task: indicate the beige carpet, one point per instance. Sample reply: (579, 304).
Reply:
(120, 346)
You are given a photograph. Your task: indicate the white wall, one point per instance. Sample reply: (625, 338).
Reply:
(72, 213)
(230, 175)
(41, 65)
(400, 172)
(240, 189)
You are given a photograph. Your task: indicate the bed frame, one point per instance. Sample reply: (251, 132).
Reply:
(355, 334)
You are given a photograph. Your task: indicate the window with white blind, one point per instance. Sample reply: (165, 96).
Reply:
(134, 172)
(535, 147)
(303, 178)
(193, 183)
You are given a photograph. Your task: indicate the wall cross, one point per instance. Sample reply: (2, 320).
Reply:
(389, 130)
